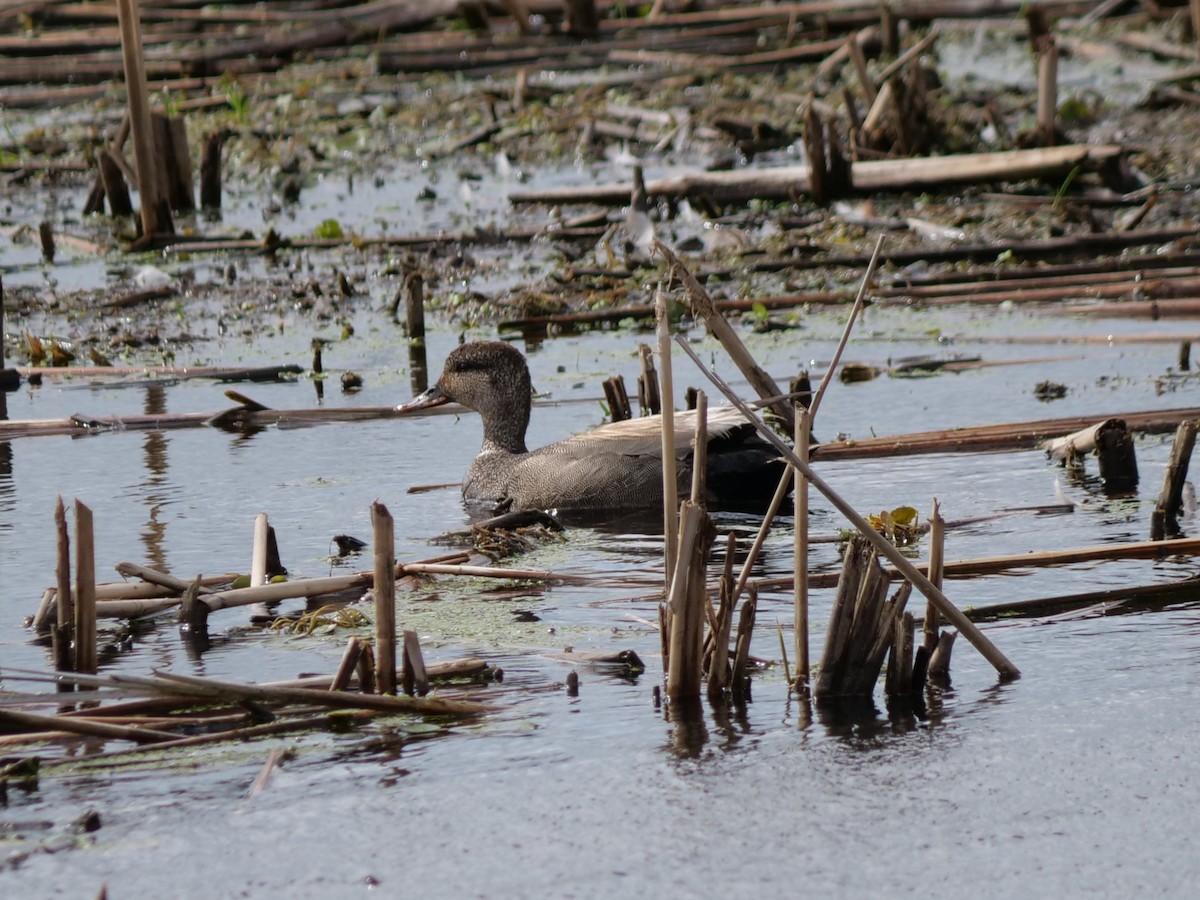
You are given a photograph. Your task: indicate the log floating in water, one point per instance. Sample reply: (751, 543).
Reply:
(1007, 436)
(990, 565)
(869, 175)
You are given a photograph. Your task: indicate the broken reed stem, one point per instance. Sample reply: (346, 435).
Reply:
(701, 304)
(385, 598)
(64, 658)
(939, 658)
(800, 553)
(859, 300)
(366, 669)
(785, 481)
(414, 306)
(741, 681)
(414, 677)
(258, 560)
(85, 591)
(86, 727)
(666, 392)
(899, 681)
(1047, 101)
(683, 671)
(649, 401)
(1003, 666)
(937, 565)
(1170, 498)
(345, 670)
(700, 451)
(236, 692)
(139, 116)
(264, 774)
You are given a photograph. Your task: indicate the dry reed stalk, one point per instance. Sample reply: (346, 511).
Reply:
(87, 727)
(683, 672)
(258, 559)
(139, 118)
(866, 175)
(385, 598)
(64, 657)
(1003, 666)
(274, 755)
(413, 673)
(1003, 436)
(900, 660)
(800, 555)
(1170, 497)
(341, 678)
(700, 451)
(85, 591)
(155, 582)
(718, 658)
(44, 619)
(936, 571)
(939, 658)
(701, 305)
(311, 587)
(1047, 95)
(236, 692)
(990, 565)
(666, 390)
(741, 659)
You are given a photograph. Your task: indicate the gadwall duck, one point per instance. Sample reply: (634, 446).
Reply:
(613, 467)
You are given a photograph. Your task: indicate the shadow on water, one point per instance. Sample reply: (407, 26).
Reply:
(156, 483)
(7, 503)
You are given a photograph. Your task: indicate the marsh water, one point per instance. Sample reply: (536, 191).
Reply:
(1076, 779)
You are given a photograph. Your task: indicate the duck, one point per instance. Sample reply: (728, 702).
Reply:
(615, 467)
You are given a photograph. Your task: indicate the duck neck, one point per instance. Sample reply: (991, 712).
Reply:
(506, 432)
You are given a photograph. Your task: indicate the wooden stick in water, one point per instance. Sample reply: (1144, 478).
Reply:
(800, 554)
(88, 727)
(741, 657)
(385, 598)
(258, 559)
(64, 658)
(702, 306)
(666, 391)
(700, 451)
(85, 591)
(139, 118)
(341, 678)
(937, 558)
(1170, 497)
(415, 679)
(683, 673)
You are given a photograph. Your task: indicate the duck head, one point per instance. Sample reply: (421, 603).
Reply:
(491, 378)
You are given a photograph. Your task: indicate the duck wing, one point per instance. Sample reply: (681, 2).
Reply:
(643, 436)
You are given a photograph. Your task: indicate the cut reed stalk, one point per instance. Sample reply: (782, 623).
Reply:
(800, 555)
(385, 598)
(85, 591)
(936, 570)
(666, 390)
(64, 655)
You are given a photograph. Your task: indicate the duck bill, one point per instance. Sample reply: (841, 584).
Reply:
(432, 397)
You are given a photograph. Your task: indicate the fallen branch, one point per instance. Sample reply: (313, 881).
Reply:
(869, 175)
